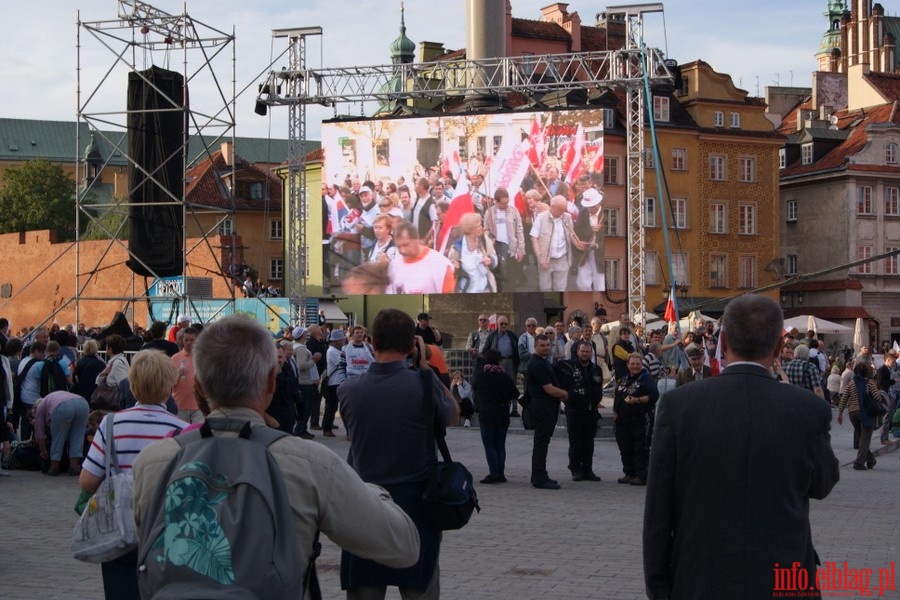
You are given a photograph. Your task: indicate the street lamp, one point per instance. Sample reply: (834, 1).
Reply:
(792, 295)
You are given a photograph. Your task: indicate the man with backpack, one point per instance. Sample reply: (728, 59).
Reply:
(214, 488)
(27, 387)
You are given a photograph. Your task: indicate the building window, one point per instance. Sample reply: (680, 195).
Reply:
(611, 221)
(864, 200)
(679, 159)
(649, 158)
(747, 219)
(610, 170)
(679, 268)
(890, 153)
(791, 211)
(612, 274)
(806, 153)
(276, 230)
(609, 118)
(276, 268)
(717, 168)
(892, 263)
(862, 253)
(651, 271)
(718, 119)
(892, 202)
(735, 119)
(226, 227)
(649, 212)
(679, 213)
(255, 190)
(782, 159)
(660, 108)
(747, 272)
(748, 169)
(683, 90)
(718, 218)
(717, 276)
(791, 266)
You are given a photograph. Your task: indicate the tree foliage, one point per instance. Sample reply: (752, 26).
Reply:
(38, 195)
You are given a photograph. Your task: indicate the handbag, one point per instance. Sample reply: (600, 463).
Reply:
(449, 497)
(106, 528)
(106, 397)
(877, 405)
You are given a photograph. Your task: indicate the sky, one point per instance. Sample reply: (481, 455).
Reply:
(761, 43)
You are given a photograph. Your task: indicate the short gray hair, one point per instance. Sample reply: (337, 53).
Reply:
(233, 358)
(801, 352)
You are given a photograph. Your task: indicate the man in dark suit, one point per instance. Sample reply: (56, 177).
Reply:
(734, 462)
(696, 370)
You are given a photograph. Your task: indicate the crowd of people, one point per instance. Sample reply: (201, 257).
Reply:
(440, 234)
(187, 375)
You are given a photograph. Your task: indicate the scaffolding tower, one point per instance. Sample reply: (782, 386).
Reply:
(533, 75)
(139, 37)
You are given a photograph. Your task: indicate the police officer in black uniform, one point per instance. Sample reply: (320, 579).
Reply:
(583, 380)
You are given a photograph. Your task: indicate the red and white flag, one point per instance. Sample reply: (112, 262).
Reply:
(460, 204)
(574, 152)
(595, 162)
(671, 314)
(538, 143)
(717, 362)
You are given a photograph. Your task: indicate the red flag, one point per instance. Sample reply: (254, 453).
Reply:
(574, 153)
(519, 203)
(595, 164)
(459, 205)
(715, 364)
(670, 314)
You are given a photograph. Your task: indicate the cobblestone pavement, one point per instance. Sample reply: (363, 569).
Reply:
(581, 542)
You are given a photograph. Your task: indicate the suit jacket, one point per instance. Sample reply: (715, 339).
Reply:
(734, 461)
(687, 375)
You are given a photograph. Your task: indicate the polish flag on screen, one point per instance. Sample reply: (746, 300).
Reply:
(595, 164)
(492, 322)
(460, 204)
(536, 138)
(451, 164)
(574, 152)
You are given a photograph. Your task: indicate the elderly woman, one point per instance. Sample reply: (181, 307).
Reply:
(88, 369)
(474, 257)
(64, 416)
(860, 391)
(384, 249)
(151, 377)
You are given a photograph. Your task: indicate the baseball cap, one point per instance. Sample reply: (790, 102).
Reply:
(183, 318)
(298, 332)
(337, 335)
(363, 189)
(396, 212)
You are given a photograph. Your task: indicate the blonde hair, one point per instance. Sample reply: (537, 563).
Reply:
(90, 348)
(469, 222)
(151, 377)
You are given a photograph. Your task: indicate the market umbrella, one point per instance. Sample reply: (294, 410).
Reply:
(816, 324)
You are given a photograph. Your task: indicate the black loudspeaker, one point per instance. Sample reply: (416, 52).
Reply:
(119, 326)
(156, 136)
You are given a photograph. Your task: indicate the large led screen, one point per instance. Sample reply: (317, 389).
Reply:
(499, 202)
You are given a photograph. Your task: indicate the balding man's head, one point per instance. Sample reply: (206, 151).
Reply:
(558, 205)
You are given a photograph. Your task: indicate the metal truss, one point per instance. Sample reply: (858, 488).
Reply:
(531, 76)
(134, 41)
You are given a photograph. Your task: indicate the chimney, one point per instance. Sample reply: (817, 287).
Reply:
(485, 38)
(227, 149)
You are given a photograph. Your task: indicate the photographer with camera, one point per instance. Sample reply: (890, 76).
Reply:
(385, 419)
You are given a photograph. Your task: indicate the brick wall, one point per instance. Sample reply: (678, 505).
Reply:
(41, 273)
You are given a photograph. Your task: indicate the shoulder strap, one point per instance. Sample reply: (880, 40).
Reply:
(112, 459)
(28, 366)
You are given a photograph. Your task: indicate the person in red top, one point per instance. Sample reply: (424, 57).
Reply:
(183, 322)
(183, 390)
(417, 269)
